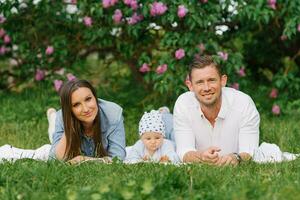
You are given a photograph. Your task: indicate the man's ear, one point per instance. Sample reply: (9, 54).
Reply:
(223, 80)
(188, 83)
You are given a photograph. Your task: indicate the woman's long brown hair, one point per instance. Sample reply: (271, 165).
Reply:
(73, 127)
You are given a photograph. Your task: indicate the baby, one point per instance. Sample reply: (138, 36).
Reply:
(152, 146)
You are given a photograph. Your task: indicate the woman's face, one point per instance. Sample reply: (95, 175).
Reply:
(84, 105)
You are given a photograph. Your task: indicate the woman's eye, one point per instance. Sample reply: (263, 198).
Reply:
(88, 99)
(76, 105)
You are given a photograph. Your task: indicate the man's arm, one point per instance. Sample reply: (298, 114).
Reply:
(209, 156)
(249, 131)
(192, 156)
(248, 136)
(233, 159)
(184, 136)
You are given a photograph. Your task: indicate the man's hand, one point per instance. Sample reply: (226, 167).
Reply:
(209, 156)
(229, 159)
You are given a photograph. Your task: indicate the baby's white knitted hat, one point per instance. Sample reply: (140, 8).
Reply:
(152, 122)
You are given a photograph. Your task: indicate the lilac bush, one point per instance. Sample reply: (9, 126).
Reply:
(254, 40)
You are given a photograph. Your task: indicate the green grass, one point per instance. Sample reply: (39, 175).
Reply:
(54, 180)
(23, 124)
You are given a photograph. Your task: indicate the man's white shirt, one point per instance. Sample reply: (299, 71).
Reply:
(236, 127)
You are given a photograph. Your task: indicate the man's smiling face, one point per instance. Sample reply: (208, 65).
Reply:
(207, 85)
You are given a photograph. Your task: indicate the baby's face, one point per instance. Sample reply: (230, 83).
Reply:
(152, 141)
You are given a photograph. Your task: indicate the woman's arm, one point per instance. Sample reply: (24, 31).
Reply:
(61, 148)
(80, 158)
(58, 146)
(116, 140)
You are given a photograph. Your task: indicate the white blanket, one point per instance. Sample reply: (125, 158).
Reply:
(271, 153)
(10, 153)
(266, 153)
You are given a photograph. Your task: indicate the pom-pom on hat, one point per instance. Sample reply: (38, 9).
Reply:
(152, 122)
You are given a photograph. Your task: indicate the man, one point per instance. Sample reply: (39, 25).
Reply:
(214, 124)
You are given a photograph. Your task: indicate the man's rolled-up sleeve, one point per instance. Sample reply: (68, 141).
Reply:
(184, 136)
(249, 130)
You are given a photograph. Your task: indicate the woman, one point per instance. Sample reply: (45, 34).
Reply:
(85, 127)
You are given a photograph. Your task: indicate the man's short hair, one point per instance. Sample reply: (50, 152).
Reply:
(201, 62)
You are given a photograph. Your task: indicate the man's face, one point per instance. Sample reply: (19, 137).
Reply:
(207, 84)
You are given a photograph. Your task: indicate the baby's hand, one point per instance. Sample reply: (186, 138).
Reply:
(145, 158)
(164, 159)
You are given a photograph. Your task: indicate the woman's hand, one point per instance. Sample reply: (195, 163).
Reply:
(77, 160)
